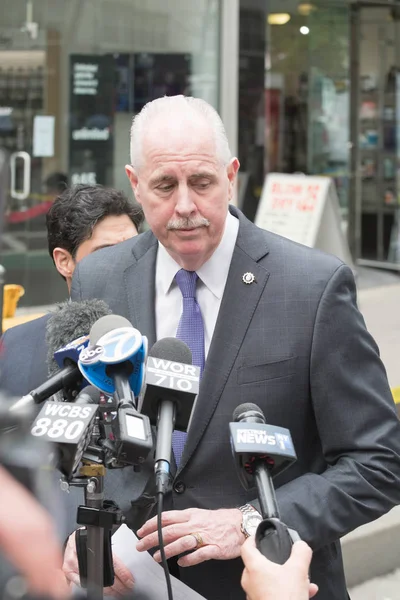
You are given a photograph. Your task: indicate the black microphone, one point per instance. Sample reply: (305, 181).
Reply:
(71, 321)
(172, 385)
(68, 427)
(262, 451)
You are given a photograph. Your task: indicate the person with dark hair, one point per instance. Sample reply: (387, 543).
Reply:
(81, 220)
(85, 218)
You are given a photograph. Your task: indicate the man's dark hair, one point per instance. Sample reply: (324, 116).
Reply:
(74, 214)
(56, 183)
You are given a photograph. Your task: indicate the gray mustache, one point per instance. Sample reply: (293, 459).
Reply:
(188, 223)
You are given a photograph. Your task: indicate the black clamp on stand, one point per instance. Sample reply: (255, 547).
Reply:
(93, 543)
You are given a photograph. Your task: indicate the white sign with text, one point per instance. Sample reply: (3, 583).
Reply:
(304, 209)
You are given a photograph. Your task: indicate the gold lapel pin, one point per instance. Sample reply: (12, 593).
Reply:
(248, 278)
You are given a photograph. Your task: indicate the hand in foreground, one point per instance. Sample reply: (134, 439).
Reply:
(123, 581)
(207, 534)
(28, 540)
(265, 580)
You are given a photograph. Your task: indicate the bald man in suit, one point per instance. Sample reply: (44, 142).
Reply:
(280, 328)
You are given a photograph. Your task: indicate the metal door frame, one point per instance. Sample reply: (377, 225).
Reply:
(355, 201)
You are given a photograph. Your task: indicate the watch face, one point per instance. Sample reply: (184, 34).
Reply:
(252, 522)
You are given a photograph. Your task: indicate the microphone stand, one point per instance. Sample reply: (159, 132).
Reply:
(93, 543)
(94, 497)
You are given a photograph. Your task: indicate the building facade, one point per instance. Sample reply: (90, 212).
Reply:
(319, 93)
(308, 87)
(72, 75)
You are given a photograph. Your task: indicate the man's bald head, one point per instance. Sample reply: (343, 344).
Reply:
(171, 116)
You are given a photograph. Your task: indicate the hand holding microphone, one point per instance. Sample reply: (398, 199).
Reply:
(263, 579)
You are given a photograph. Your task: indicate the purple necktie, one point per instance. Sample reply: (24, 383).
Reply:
(191, 331)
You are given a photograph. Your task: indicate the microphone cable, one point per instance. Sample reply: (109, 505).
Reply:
(160, 500)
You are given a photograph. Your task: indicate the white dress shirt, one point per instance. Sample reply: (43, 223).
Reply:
(210, 286)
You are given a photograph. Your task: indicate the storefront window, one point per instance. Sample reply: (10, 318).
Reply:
(72, 75)
(307, 91)
(378, 128)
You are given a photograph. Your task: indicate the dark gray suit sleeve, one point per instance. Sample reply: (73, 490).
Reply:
(357, 424)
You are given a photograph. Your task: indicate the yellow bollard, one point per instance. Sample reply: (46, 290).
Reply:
(12, 293)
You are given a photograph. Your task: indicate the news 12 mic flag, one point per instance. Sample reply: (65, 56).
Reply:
(252, 440)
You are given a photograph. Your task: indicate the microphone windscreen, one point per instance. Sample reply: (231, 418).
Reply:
(71, 321)
(105, 325)
(89, 395)
(247, 407)
(172, 349)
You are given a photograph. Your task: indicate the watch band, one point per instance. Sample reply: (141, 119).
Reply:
(247, 509)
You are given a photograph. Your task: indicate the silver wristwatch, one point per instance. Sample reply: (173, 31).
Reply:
(251, 520)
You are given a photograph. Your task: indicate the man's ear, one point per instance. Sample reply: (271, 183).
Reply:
(64, 262)
(232, 170)
(133, 178)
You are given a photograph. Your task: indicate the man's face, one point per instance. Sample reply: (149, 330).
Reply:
(111, 230)
(183, 188)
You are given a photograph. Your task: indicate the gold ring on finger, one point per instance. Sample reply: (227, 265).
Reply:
(198, 538)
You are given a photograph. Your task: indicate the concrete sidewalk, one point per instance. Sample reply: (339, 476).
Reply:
(380, 306)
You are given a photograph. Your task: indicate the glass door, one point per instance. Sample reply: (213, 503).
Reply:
(377, 148)
(72, 75)
(28, 75)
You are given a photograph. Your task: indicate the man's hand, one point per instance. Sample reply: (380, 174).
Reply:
(219, 531)
(123, 582)
(265, 580)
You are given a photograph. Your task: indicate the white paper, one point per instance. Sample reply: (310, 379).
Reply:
(150, 583)
(149, 576)
(43, 136)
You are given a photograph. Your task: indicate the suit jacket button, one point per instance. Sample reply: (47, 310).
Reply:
(179, 487)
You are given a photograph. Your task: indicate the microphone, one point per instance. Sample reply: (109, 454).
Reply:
(262, 451)
(114, 359)
(72, 321)
(68, 329)
(114, 362)
(172, 385)
(69, 425)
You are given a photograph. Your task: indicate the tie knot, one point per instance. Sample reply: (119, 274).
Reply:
(186, 281)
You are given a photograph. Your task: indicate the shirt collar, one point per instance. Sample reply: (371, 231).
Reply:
(213, 273)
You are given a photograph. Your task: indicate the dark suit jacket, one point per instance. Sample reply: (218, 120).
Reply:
(23, 357)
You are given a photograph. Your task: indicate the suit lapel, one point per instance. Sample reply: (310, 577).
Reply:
(139, 279)
(238, 305)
